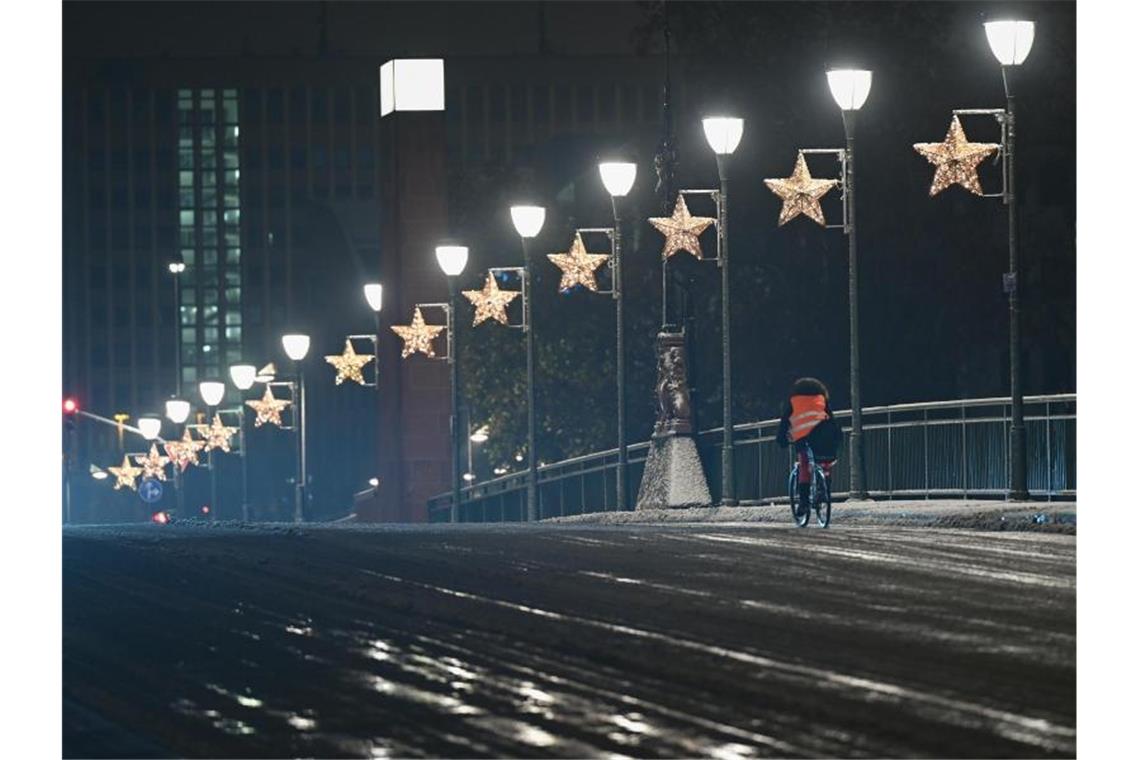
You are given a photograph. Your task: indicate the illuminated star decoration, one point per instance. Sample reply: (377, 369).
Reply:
(185, 452)
(682, 230)
(418, 335)
(125, 474)
(269, 408)
(348, 364)
(956, 159)
(490, 302)
(153, 464)
(577, 265)
(216, 435)
(801, 193)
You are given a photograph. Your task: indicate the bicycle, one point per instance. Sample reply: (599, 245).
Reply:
(820, 491)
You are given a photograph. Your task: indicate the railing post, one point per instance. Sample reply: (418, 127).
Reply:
(965, 482)
(926, 452)
(1048, 455)
(890, 458)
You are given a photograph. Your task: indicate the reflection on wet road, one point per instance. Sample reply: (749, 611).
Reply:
(721, 642)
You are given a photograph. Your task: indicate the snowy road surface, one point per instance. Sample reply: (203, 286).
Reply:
(713, 641)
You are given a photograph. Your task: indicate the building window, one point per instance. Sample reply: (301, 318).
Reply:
(209, 223)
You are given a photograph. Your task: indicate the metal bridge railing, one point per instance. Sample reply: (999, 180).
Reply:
(937, 448)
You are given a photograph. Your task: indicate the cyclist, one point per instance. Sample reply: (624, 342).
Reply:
(807, 422)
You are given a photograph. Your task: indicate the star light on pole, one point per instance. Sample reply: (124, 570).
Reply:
(682, 230)
(578, 265)
(956, 159)
(153, 464)
(801, 193)
(418, 336)
(125, 474)
(349, 364)
(184, 452)
(268, 408)
(490, 302)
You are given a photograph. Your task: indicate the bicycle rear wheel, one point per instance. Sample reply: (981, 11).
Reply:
(801, 520)
(822, 499)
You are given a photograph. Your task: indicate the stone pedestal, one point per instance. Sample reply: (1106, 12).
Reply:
(674, 476)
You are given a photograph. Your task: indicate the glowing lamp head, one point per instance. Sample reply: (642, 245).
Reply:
(177, 267)
(481, 435)
(452, 259)
(1010, 41)
(243, 376)
(212, 392)
(177, 410)
(849, 87)
(618, 177)
(98, 473)
(150, 426)
(528, 220)
(296, 346)
(469, 476)
(723, 133)
(374, 482)
(374, 294)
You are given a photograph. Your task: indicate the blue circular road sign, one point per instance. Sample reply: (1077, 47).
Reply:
(150, 490)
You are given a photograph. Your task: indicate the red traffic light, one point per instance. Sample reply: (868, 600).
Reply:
(70, 406)
(160, 517)
(205, 510)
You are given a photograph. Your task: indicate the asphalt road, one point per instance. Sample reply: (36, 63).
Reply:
(648, 641)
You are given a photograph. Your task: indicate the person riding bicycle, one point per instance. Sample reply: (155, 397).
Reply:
(807, 422)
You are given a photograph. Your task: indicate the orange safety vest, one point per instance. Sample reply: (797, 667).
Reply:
(807, 412)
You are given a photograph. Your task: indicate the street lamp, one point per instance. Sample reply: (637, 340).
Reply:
(723, 134)
(243, 377)
(452, 260)
(528, 221)
(97, 473)
(618, 177)
(296, 347)
(374, 295)
(212, 393)
(177, 411)
(1011, 42)
(850, 88)
(176, 268)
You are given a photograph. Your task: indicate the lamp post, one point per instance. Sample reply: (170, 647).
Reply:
(212, 393)
(296, 347)
(176, 268)
(452, 260)
(723, 134)
(850, 88)
(1011, 42)
(528, 221)
(243, 376)
(178, 411)
(618, 177)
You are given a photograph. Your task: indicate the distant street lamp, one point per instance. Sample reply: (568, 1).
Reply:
(452, 260)
(1011, 42)
(723, 134)
(178, 411)
(850, 88)
(212, 393)
(528, 221)
(98, 473)
(243, 377)
(296, 347)
(618, 177)
(176, 268)
(150, 426)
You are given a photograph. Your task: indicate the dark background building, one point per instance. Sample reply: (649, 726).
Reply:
(245, 138)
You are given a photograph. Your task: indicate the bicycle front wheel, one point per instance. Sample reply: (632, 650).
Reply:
(800, 519)
(822, 500)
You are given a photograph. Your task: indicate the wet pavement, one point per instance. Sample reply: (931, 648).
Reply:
(713, 641)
